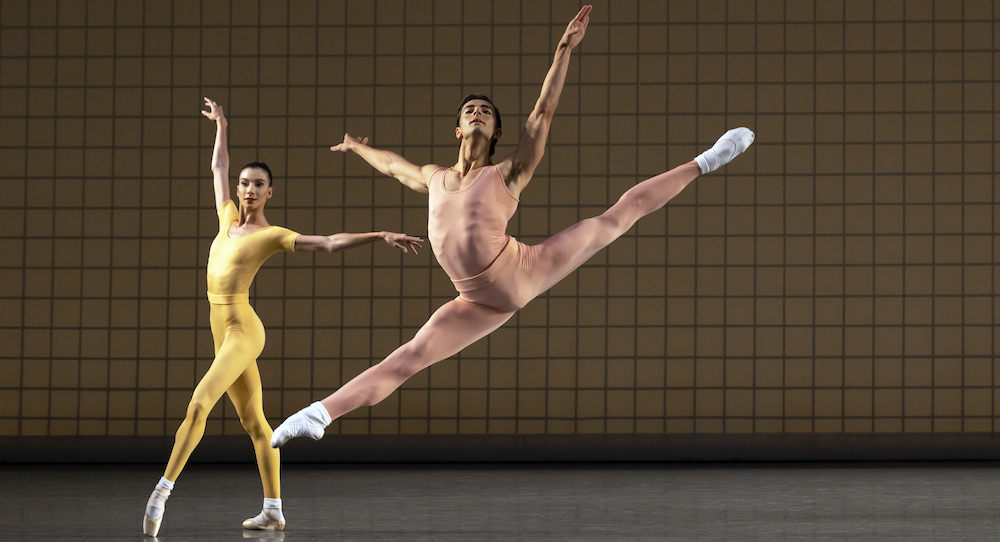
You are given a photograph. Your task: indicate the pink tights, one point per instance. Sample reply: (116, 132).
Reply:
(524, 273)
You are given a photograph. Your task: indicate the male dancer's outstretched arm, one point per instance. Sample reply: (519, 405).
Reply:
(518, 167)
(389, 163)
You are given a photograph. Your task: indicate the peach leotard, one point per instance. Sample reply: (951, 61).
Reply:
(467, 229)
(494, 274)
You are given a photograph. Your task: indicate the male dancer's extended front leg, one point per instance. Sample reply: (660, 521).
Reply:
(558, 256)
(452, 327)
(567, 250)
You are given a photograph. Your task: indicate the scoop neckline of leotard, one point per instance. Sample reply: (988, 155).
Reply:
(245, 234)
(479, 173)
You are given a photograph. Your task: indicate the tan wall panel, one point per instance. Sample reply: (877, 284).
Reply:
(836, 278)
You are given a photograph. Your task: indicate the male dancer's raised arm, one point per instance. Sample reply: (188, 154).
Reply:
(518, 167)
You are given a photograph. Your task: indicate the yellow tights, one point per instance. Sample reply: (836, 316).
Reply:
(239, 339)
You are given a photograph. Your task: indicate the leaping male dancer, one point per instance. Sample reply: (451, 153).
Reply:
(470, 204)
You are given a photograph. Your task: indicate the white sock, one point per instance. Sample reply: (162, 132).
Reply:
(319, 411)
(273, 508)
(158, 499)
(731, 144)
(308, 422)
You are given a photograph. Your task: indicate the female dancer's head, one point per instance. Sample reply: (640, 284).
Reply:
(478, 118)
(255, 186)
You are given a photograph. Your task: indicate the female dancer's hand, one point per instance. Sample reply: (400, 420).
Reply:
(577, 27)
(400, 240)
(214, 112)
(348, 143)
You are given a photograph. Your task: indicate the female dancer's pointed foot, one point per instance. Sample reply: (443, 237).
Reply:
(729, 146)
(309, 422)
(154, 511)
(265, 522)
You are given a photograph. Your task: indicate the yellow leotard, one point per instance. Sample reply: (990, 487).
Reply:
(233, 263)
(239, 338)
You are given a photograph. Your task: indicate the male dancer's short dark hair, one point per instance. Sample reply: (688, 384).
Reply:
(496, 113)
(261, 165)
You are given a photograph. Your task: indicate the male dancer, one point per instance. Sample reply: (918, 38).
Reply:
(470, 204)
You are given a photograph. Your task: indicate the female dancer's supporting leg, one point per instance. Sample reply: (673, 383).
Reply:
(458, 324)
(234, 372)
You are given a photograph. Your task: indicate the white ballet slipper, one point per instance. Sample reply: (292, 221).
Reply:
(729, 146)
(309, 422)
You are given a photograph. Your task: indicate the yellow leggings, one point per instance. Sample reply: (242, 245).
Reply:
(239, 339)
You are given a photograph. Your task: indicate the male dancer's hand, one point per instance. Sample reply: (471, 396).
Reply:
(577, 27)
(214, 112)
(348, 143)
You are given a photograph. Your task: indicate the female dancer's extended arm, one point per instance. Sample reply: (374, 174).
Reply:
(388, 163)
(220, 156)
(341, 241)
(531, 145)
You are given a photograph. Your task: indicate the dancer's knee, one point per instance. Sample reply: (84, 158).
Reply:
(198, 410)
(611, 225)
(408, 360)
(402, 369)
(255, 427)
(633, 205)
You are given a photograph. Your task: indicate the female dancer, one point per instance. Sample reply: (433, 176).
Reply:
(244, 241)
(470, 204)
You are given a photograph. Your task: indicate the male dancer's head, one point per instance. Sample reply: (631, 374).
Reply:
(478, 122)
(255, 187)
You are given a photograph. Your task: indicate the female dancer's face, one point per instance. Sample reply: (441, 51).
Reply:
(254, 188)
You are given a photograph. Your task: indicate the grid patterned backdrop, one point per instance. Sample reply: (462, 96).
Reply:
(839, 277)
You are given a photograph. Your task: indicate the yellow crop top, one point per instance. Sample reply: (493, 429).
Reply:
(233, 263)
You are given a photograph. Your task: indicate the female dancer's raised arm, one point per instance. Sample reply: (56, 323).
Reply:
(220, 156)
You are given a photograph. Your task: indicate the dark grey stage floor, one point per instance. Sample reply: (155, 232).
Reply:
(471, 502)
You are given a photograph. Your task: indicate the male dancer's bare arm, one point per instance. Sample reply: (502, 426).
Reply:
(220, 156)
(388, 163)
(531, 145)
(341, 241)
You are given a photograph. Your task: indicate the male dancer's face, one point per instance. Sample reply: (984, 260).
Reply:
(254, 188)
(477, 120)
